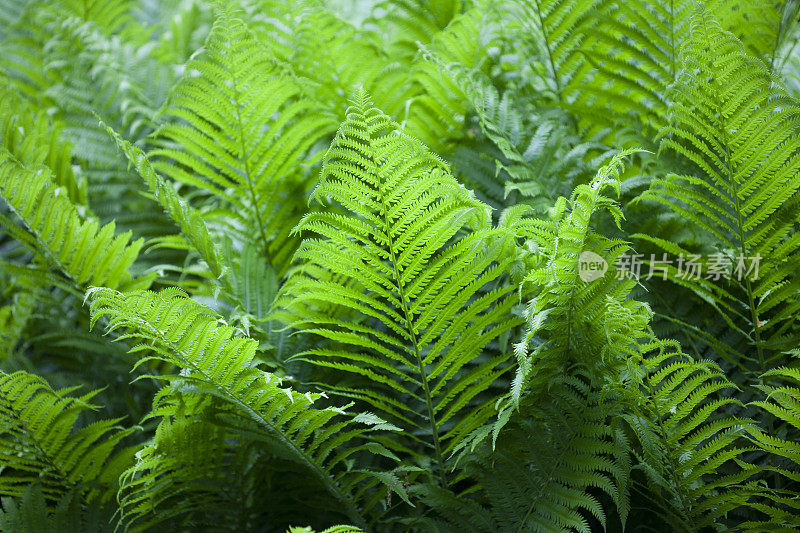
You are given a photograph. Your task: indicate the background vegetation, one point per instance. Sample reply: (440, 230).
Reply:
(279, 263)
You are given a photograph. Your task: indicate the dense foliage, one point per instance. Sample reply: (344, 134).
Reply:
(410, 265)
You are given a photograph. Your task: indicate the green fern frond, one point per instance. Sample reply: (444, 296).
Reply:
(410, 22)
(185, 474)
(35, 139)
(39, 441)
(735, 124)
(436, 104)
(242, 131)
(413, 253)
(190, 222)
(18, 298)
(764, 28)
(565, 317)
(781, 388)
(217, 362)
(110, 15)
(550, 32)
(82, 250)
(693, 452)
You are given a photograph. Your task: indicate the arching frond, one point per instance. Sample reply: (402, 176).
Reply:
(82, 250)
(550, 33)
(572, 283)
(242, 130)
(436, 103)
(216, 361)
(413, 22)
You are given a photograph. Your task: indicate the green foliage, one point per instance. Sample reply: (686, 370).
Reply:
(216, 362)
(39, 442)
(80, 249)
(734, 124)
(400, 263)
(222, 145)
(375, 263)
(30, 513)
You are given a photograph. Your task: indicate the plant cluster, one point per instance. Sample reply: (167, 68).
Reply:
(410, 265)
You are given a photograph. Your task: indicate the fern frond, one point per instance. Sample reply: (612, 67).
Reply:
(242, 131)
(544, 472)
(35, 139)
(409, 22)
(764, 28)
(437, 104)
(39, 441)
(190, 222)
(18, 298)
(550, 32)
(30, 513)
(217, 362)
(693, 451)
(635, 48)
(82, 250)
(781, 388)
(565, 317)
(735, 125)
(332, 529)
(412, 253)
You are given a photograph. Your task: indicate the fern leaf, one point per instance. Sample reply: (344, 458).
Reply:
(29, 513)
(241, 130)
(39, 442)
(635, 48)
(400, 261)
(83, 251)
(217, 362)
(733, 123)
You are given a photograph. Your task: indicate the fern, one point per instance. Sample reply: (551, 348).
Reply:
(416, 21)
(550, 33)
(545, 471)
(83, 251)
(39, 442)
(396, 263)
(693, 453)
(248, 151)
(569, 309)
(635, 48)
(730, 120)
(30, 513)
(217, 362)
